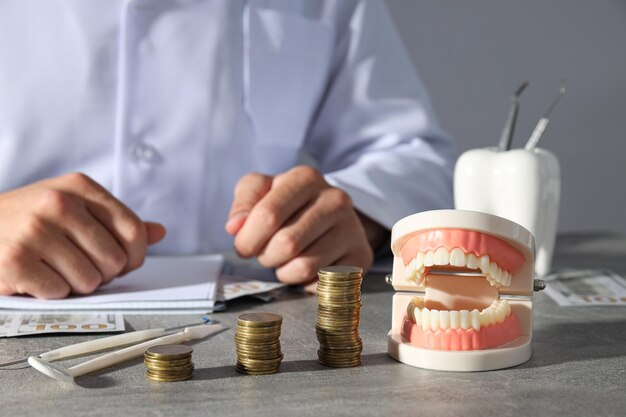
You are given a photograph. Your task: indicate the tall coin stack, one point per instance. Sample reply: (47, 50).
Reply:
(258, 343)
(169, 363)
(338, 315)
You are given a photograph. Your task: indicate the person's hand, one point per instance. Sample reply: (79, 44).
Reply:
(68, 235)
(296, 222)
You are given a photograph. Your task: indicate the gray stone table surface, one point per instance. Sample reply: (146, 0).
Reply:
(578, 367)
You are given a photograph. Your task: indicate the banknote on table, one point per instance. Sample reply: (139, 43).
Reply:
(586, 287)
(232, 287)
(28, 324)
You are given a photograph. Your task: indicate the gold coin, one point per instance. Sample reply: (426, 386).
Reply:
(340, 365)
(161, 362)
(165, 368)
(250, 372)
(267, 354)
(340, 269)
(341, 321)
(253, 367)
(339, 298)
(258, 366)
(257, 341)
(257, 336)
(264, 361)
(257, 348)
(167, 379)
(272, 353)
(337, 320)
(259, 319)
(259, 328)
(339, 284)
(169, 352)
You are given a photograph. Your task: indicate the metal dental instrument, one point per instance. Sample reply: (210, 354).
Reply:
(543, 122)
(538, 284)
(509, 128)
(113, 358)
(103, 343)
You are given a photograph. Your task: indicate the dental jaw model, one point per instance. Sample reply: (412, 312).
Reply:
(464, 282)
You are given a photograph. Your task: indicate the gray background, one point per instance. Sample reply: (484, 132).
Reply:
(472, 54)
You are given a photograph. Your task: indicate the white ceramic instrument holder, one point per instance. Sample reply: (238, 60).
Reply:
(520, 185)
(521, 287)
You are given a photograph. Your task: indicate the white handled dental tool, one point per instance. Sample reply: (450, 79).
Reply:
(95, 345)
(104, 343)
(101, 344)
(542, 124)
(68, 374)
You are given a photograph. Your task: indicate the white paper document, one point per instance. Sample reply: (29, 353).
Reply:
(163, 282)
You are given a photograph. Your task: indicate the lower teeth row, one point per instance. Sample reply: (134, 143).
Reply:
(457, 319)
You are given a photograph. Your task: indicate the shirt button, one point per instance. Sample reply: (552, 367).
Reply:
(143, 152)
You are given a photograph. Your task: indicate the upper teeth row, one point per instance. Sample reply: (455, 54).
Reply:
(457, 319)
(415, 269)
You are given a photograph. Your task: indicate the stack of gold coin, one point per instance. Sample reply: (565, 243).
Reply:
(338, 315)
(169, 363)
(258, 343)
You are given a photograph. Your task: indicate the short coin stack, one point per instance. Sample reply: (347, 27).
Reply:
(169, 363)
(258, 343)
(338, 315)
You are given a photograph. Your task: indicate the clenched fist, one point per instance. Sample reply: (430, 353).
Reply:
(296, 222)
(68, 235)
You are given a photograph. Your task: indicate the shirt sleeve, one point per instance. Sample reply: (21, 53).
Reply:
(375, 135)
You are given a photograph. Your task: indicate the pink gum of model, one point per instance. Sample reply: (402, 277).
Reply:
(469, 241)
(459, 339)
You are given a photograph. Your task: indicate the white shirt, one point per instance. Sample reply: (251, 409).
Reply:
(167, 103)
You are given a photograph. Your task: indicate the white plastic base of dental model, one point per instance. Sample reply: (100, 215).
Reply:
(513, 354)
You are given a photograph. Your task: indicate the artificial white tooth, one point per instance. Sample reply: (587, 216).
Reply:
(428, 258)
(417, 313)
(465, 319)
(484, 318)
(442, 257)
(500, 314)
(434, 320)
(507, 307)
(483, 263)
(455, 319)
(492, 315)
(409, 312)
(501, 276)
(409, 273)
(444, 319)
(508, 279)
(472, 261)
(419, 278)
(420, 258)
(498, 275)
(493, 271)
(475, 319)
(503, 306)
(457, 257)
(425, 319)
